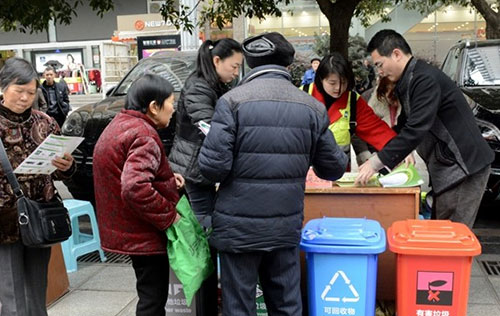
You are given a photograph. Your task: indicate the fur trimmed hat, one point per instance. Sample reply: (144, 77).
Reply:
(268, 49)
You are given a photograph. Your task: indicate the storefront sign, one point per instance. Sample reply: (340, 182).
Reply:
(143, 23)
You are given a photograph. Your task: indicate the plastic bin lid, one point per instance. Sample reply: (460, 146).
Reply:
(343, 235)
(432, 238)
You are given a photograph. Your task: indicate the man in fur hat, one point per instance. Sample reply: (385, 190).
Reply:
(264, 136)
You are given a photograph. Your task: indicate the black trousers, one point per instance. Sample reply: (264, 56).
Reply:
(23, 280)
(202, 200)
(152, 284)
(279, 275)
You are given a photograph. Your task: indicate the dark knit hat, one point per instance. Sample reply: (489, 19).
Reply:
(268, 49)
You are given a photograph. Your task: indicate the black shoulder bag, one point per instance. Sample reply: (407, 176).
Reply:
(41, 224)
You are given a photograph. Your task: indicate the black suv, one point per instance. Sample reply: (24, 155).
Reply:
(475, 67)
(90, 120)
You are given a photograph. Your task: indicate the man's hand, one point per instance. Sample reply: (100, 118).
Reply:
(179, 180)
(366, 171)
(63, 163)
(177, 218)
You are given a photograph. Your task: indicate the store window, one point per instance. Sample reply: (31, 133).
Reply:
(225, 32)
(301, 19)
(433, 36)
(4, 55)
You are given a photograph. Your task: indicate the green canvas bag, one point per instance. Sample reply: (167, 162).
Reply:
(188, 250)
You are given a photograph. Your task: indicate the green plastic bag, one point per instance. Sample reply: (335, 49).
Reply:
(188, 251)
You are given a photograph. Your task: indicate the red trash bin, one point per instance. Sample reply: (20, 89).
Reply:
(434, 259)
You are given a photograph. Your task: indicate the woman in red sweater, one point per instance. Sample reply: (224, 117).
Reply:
(135, 189)
(349, 113)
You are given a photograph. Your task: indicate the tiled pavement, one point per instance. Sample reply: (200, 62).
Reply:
(109, 290)
(98, 290)
(484, 291)
(103, 289)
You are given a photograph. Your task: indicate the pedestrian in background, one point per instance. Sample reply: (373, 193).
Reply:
(135, 190)
(56, 96)
(23, 270)
(348, 112)
(366, 83)
(218, 64)
(439, 124)
(311, 72)
(265, 134)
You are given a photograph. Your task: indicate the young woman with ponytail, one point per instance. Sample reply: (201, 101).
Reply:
(218, 64)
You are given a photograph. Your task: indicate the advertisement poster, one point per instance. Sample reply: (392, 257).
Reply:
(61, 60)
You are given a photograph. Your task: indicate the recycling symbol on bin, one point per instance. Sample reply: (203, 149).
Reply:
(344, 299)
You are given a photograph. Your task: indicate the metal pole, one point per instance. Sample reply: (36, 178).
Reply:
(190, 41)
(435, 35)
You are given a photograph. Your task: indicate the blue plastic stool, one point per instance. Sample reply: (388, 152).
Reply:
(79, 243)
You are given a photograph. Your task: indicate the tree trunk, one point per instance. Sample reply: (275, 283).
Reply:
(492, 30)
(339, 16)
(491, 17)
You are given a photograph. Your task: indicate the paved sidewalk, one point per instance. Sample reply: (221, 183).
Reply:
(484, 291)
(98, 289)
(102, 289)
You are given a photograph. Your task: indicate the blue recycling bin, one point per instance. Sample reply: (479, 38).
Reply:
(341, 256)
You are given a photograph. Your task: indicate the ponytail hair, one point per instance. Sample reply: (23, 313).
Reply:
(205, 67)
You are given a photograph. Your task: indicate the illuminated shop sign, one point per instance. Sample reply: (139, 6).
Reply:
(147, 45)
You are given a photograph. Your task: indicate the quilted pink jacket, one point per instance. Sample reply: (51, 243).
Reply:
(134, 187)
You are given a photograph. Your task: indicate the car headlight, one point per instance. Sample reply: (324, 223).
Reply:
(489, 131)
(73, 126)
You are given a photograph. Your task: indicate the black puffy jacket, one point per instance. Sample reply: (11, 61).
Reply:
(264, 136)
(196, 103)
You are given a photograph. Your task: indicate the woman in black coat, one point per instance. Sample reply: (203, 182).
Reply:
(218, 64)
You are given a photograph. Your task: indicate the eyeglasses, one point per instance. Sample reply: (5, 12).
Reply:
(379, 64)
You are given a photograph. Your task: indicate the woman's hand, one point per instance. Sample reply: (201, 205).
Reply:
(409, 160)
(177, 218)
(179, 180)
(63, 163)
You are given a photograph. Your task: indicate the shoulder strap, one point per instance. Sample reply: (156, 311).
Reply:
(9, 173)
(352, 119)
